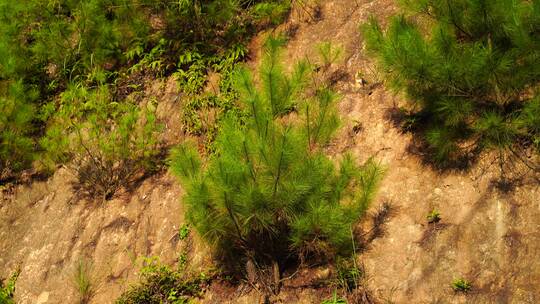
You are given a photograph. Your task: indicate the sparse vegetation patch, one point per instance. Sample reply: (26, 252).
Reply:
(160, 284)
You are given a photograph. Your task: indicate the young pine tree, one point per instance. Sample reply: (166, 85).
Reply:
(269, 193)
(471, 69)
(106, 144)
(16, 116)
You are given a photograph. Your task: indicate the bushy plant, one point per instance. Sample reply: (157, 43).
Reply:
(16, 116)
(470, 69)
(162, 285)
(271, 12)
(202, 112)
(107, 144)
(461, 285)
(59, 41)
(7, 290)
(269, 193)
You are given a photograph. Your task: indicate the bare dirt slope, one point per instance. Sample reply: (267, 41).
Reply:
(487, 236)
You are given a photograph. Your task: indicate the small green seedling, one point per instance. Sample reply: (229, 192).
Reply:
(434, 216)
(461, 285)
(183, 232)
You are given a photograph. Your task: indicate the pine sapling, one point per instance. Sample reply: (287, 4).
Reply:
(269, 193)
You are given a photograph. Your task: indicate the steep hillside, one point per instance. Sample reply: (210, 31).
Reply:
(486, 235)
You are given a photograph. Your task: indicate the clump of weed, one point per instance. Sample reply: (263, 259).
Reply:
(7, 289)
(433, 217)
(461, 285)
(348, 274)
(83, 281)
(162, 285)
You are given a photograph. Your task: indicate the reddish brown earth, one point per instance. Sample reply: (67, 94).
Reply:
(487, 236)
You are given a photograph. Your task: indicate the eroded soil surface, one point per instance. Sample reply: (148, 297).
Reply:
(486, 235)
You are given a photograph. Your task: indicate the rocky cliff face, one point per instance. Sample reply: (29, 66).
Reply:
(486, 235)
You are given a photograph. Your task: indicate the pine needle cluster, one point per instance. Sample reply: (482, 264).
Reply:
(269, 193)
(471, 69)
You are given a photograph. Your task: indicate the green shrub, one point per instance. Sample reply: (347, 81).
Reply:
(271, 12)
(107, 144)
(7, 290)
(162, 285)
(461, 285)
(48, 40)
(470, 69)
(203, 112)
(16, 115)
(269, 193)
